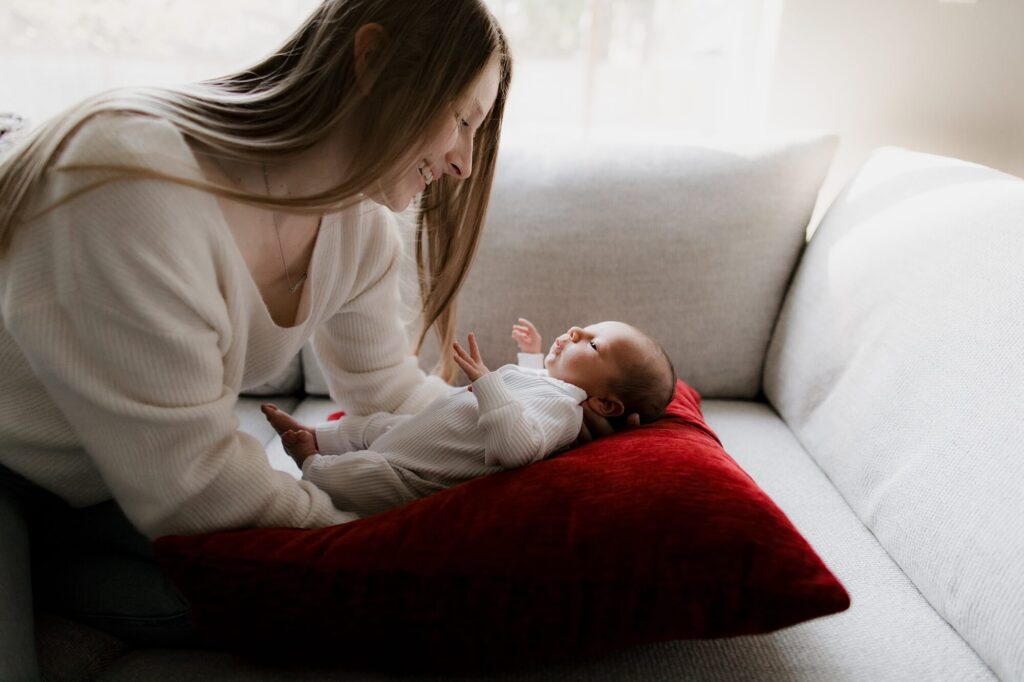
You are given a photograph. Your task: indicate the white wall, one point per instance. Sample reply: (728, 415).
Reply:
(939, 77)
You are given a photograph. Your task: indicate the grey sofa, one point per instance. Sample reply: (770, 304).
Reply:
(871, 381)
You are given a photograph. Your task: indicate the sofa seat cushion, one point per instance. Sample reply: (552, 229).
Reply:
(252, 421)
(648, 535)
(889, 634)
(898, 361)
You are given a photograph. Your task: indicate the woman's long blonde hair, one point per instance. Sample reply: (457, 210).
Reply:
(430, 53)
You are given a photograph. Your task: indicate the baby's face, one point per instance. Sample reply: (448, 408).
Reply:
(591, 356)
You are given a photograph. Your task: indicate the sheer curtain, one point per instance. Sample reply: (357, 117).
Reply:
(640, 68)
(634, 68)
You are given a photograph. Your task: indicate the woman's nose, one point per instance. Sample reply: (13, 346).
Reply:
(459, 159)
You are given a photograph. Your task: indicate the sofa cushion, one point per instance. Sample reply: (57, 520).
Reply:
(898, 361)
(694, 245)
(647, 535)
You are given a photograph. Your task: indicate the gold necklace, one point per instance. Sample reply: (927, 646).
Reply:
(277, 231)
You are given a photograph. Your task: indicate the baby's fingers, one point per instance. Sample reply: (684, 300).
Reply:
(529, 325)
(460, 352)
(474, 351)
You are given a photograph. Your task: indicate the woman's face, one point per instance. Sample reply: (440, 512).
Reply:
(449, 149)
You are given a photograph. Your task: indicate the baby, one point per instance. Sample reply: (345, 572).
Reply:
(507, 418)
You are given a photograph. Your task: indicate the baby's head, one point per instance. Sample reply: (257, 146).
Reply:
(622, 369)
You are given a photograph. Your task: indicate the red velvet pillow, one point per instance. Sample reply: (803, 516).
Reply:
(647, 535)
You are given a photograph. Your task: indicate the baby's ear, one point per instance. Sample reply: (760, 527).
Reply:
(606, 407)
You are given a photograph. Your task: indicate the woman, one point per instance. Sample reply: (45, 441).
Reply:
(163, 250)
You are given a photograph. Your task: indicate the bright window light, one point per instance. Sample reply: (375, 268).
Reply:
(632, 68)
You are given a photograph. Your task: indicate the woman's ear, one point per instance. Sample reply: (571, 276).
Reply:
(606, 407)
(367, 41)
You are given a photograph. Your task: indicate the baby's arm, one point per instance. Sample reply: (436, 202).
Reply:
(521, 429)
(516, 431)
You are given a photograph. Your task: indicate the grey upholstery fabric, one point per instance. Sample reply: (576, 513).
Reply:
(694, 245)
(898, 361)
(890, 633)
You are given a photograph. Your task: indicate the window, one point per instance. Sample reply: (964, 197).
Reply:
(583, 67)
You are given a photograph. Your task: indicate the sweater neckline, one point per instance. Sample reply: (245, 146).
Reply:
(310, 288)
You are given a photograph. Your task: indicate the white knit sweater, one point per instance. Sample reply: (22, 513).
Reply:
(130, 323)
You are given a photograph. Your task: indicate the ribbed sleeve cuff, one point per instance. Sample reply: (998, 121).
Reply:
(308, 463)
(491, 392)
(530, 360)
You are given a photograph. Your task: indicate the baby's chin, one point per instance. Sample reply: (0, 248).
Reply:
(554, 373)
(549, 363)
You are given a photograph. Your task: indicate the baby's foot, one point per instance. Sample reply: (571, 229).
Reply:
(281, 420)
(299, 445)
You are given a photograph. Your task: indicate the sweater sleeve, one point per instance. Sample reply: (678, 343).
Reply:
(153, 414)
(519, 430)
(530, 360)
(363, 349)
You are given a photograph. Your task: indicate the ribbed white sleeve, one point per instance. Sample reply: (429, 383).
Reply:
(158, 423)
(364, 349)
(517, 432)
(530, 360)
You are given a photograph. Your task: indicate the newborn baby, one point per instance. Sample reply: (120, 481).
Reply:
(507, 418)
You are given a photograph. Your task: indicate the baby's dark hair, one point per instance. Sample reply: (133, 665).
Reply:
(645, 387)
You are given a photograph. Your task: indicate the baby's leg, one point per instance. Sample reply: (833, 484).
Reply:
(363, 482)
(355, 432)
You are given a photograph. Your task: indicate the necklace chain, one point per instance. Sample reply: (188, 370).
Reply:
(277, 231)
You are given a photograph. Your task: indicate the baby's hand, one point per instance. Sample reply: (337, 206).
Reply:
(470, 362)
(527, 336)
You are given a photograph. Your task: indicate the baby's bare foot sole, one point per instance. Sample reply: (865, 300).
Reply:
(281, 421)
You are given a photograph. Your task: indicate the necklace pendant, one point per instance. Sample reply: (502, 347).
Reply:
(298, 284)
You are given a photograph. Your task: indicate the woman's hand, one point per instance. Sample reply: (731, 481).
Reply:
(470, 362)
(527, 336)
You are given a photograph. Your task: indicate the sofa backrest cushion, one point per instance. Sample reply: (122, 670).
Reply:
(694, 245)
(898, 361)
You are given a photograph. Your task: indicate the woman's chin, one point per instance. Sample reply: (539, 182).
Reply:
(394, 202)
